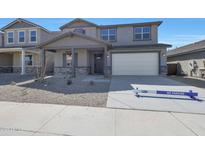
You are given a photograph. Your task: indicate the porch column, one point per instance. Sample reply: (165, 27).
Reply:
(105, 61)
(42, 58)
(73, 61)
(23, 62)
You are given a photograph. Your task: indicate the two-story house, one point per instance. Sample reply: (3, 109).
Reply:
(18, 52)
(82, 47)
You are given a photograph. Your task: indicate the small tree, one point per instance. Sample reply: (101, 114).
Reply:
(41, 72)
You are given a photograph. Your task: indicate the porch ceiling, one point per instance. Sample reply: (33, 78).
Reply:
(13, 50)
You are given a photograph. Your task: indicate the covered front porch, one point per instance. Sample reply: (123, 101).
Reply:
(82, 61)
(79, 54)
(19, 60)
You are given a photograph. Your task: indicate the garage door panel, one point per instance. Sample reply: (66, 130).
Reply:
(135, 64)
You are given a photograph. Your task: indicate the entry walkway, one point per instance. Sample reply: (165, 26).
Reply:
(46, 119)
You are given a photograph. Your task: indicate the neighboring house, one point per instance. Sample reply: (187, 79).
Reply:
(190, 59)
(82, 47)
(18, 52)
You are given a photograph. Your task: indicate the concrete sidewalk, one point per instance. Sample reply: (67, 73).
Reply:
(46, 119)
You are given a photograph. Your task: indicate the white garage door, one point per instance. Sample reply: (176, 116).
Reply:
(135, 64)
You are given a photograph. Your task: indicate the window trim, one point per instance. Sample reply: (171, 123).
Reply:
(142, 39)
(24, 36)
(30, 36)
(108, 29)
(8, 37)
(31, 60)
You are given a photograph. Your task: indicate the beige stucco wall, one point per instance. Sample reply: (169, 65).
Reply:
(89, 31)
(27, 42)
(125, 36)
(58, 59)
(184, 61)
(5, 59)
(82, 57)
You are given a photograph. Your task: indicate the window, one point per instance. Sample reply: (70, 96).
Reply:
(142, 33)
(33, 36)
(10, 37)
(28, 60)
(79, 30)
(109, 34)
(21, 37)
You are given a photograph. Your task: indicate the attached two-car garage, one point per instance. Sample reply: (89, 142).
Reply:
(135, 63)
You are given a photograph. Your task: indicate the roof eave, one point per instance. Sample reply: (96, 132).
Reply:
(70, 34)
(23, 20)
(63, 26)
(158, 23)
(184, 53)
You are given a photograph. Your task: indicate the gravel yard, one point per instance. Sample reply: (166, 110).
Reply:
(54, 90)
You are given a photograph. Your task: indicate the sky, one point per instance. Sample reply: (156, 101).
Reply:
(174, 31)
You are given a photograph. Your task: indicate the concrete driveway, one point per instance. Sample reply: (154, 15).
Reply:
(49, 119)
(121, 95)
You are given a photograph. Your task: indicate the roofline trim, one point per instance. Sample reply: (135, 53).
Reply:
(77, 19)
(158, 23)
(23, 20)
(184, 53)
(70, 34)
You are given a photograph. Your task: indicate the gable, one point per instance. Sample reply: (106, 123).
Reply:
(19, 24)
(77, 23)
(74, 41)
(22, 23)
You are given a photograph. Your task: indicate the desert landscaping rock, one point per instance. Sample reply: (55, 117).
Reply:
(55, 91)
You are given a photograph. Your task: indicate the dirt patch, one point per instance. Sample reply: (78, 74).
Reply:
(56, 91)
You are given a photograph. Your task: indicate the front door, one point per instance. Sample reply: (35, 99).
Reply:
(98, 62)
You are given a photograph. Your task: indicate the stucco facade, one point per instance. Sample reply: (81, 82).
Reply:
(190, 64)
(11, 53)
(82, 41)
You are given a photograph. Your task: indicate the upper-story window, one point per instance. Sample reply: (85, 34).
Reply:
(10, 37)
(21, 36)
(79, 30)
(142, 33)
(109, 34)
(33, 36)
